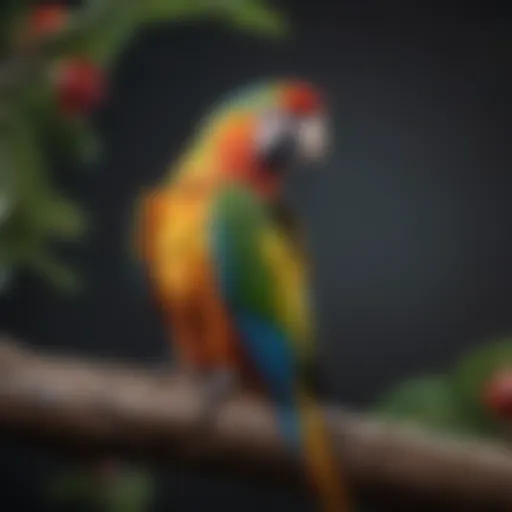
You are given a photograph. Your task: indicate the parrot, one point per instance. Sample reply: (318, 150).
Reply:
(226, 261)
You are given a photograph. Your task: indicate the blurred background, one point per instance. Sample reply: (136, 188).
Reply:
(409, 223)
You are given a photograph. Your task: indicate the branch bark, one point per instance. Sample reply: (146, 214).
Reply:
(102, 408)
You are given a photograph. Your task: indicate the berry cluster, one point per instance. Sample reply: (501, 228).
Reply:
(79, 84)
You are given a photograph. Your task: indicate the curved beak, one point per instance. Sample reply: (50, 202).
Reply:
(314, 140)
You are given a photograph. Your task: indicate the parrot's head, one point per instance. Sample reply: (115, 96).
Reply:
(261, 133)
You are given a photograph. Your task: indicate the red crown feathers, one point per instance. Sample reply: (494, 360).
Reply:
(302, 99)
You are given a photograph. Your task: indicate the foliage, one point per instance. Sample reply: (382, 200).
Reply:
(53, 57)
(426, 401)
(34, 130)
(131, 491)
(452, 403)
(471, 375)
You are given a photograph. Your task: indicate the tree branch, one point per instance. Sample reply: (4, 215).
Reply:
(103, 408)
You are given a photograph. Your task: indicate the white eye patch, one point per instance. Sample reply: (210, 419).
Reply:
(273, 128)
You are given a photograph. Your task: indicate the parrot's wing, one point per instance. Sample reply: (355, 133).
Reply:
(263, 282)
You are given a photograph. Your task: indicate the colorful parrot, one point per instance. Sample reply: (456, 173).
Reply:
(225, 259)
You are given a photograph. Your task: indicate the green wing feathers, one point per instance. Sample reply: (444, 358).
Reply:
(269, 269)
(264, 282)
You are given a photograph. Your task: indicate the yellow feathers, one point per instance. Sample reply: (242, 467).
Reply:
(169, 240)
(292, 296)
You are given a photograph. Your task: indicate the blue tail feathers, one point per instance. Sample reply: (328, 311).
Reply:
(290, 427)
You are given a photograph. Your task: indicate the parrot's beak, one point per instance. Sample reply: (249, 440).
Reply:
(313, 137)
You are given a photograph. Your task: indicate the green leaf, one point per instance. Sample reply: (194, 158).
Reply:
(54, 272)
(257, 17)
(83, 142)
(27, 155)
(429, 402)
(7, 208)
(100, 31)
(132, 492)
(73, 137)
(68, 487)
(27, 182)
(177, 10)
(41, 214)
(8, 193)
(107, 41)
(61, 218)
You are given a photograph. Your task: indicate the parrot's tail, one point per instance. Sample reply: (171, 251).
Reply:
(305, 427)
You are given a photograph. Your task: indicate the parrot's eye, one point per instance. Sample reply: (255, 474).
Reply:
(283, 140)
(276, 140)
(273, 127)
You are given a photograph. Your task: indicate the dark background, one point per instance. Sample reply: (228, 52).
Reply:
(410, 226)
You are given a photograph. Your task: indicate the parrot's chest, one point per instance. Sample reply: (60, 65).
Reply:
(189, 281)
(182, 249)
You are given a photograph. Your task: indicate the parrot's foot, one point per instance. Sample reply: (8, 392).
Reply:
(163, 369)
(168, 369)
(219, 385)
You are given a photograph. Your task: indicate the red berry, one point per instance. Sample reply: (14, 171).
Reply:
(498, 395)
(80, 86)
(43, 21)
(48, 19)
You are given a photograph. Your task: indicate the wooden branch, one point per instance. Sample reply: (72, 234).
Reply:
(101, 408)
